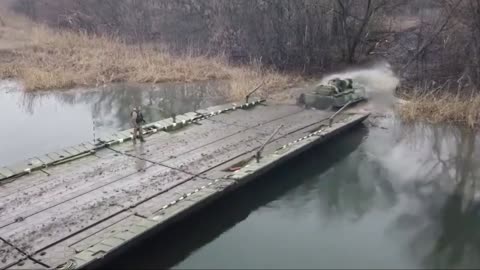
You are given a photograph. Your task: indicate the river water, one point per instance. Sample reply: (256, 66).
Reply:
(41, 122)
(386, 195)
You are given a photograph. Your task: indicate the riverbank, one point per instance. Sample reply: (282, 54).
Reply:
(441, 108)
(43, 58)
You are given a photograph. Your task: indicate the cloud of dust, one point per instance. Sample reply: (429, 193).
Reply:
(379, 81)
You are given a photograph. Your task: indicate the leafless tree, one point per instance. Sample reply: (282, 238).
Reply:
(427, 40)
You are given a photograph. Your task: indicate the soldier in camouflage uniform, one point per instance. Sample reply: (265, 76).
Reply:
(136, 121)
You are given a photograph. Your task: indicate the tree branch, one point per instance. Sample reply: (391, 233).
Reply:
(427, 43)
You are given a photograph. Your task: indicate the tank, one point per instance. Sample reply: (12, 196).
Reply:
(336, 93)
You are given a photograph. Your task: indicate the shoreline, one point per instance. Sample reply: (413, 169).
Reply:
(42, 58)
(441, 108)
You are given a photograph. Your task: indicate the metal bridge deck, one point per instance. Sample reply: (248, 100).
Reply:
(81, 209)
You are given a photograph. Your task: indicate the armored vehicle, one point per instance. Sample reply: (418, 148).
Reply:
(336, 93)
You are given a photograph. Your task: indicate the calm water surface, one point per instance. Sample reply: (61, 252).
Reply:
(400, 197)
(41, 122)
(391, 196)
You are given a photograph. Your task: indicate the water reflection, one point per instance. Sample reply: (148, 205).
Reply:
(447, 189)
(40, 122)
(355, 192)
(402, 197)
(111, 105)
(182, 240)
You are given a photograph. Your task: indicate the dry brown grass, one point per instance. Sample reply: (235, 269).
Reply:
(442, 108)
(46, 59)
(244, 80)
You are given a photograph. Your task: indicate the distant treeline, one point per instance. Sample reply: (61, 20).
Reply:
(425, 40)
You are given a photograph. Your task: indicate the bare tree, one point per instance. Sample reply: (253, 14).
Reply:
(443, 40)
(353, 18)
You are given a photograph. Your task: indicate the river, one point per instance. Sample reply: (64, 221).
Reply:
(386, 195)
(39, 122)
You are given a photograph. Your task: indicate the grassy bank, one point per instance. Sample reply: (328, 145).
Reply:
(442, 108)
(42, 58)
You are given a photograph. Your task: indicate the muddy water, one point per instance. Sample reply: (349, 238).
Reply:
(383, 196)
(37, 123)
(390, 196)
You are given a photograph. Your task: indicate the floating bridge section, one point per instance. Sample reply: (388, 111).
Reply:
(71, 208)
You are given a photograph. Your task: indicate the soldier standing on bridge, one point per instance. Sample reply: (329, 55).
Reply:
(136, 121)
